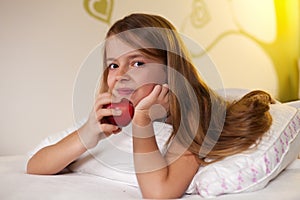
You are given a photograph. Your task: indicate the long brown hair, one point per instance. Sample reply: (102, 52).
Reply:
(203, 122)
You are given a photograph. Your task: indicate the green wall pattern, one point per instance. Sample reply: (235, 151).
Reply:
(284, 51)
(100, 10)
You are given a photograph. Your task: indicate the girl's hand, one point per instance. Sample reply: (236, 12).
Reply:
(154, 106)
(93, 131)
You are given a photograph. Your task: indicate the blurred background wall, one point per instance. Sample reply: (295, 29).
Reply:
(251, 44)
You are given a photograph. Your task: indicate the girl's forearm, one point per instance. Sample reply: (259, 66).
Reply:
(147, 156)
(54, 158)
(152, 175)
(150, 165)
(158, 175)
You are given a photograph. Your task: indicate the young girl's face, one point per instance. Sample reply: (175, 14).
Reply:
(131, 73)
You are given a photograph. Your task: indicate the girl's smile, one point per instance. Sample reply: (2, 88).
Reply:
(124, 91)
(130, 71)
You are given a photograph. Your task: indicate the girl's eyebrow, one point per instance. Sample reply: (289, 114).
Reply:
(133, 56)
(110, 59)
(136, 56)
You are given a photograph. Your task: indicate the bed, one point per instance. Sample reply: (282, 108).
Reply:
(281, 182)
(15, 184)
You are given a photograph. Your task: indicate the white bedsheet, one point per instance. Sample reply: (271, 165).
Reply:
(16, 184)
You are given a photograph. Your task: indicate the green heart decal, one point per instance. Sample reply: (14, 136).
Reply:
(99, 9)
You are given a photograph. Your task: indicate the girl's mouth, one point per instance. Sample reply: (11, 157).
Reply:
(125, 91)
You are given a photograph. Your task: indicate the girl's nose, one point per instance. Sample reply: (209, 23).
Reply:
(122, 74)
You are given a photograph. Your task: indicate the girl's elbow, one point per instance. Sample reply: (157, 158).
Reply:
(30, 169)
(160, 194)
(35, 169)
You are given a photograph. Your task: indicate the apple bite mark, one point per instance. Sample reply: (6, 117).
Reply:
(125, 118)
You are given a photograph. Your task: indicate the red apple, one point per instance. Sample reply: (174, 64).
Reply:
(125, 118)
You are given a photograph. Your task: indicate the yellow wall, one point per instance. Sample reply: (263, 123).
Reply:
(285, 49)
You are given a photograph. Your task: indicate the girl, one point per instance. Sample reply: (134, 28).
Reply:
(146, 62)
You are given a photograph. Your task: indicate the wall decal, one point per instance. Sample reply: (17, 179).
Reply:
(100, 9)
(199, 15)
(204, 24)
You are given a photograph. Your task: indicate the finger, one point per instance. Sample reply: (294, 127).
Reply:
(166, 86)
(164, 97)
(103, 95)
(107, 112)
(109, 129)
(117, 131)
(101, 100)
(156, 91)
(164, 91)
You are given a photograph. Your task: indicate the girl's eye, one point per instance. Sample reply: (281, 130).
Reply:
(113, 66)
(138, 64)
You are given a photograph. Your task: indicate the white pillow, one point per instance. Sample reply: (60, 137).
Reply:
(253, 170)
(56, 137)
(295, 104)
(231, 94)
(112, 158)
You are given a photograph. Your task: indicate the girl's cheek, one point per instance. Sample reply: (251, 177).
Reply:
(141, 93)
(110, 82)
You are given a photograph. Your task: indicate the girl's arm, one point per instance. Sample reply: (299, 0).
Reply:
(54, 158)
(159, 176)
